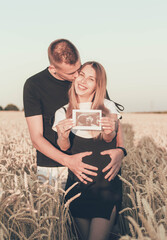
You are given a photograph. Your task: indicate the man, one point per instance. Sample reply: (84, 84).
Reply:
(46, 92)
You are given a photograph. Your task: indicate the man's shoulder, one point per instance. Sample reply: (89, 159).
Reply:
(36, 77)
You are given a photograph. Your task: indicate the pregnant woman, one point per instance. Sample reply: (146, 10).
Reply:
(95, 210)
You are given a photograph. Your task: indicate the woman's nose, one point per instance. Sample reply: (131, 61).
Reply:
(83, 80)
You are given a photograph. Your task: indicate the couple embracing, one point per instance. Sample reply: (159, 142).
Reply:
(92, 157)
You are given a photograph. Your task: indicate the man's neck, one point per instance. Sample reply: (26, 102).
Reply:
(55, 75)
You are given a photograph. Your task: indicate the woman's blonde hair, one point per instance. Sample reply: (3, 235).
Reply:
(100, 92)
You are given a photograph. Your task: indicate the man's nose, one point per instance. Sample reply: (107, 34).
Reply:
(75, 75)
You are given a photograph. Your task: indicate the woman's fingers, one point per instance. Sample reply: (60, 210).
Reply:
(65, 121)
(65, 125)
(108, 125)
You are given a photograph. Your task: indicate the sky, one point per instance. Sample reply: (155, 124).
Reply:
(128, 37)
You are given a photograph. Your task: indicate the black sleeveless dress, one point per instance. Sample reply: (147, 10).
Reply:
(97, 198)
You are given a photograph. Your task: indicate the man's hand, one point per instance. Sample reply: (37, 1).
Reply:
(73, 162)
(116, 156)
(79, 168)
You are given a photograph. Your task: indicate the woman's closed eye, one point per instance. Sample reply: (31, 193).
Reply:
(92, 79)
(81, 74)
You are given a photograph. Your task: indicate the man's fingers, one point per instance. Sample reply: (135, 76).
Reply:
(109, 174)
(90, 172)
(81, 179)
(86, 178)
(105, 152)
(84, 165)
(112, 175)
(111, 165)
(107, 167)
(87, 166)
(83, 154)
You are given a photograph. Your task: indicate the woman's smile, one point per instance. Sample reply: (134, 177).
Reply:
(85, 84)
(82, 87)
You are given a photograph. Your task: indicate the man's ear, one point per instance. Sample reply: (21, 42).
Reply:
(52, 69)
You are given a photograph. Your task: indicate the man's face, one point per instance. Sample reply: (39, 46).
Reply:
(63, 71)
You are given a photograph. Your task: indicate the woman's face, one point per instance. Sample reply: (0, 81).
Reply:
(85, 83)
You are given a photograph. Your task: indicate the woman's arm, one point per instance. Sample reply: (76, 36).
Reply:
(109, 127)
(63, 143)
(63, 130)
(109, 137)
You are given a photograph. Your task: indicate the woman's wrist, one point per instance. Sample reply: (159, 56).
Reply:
(64, 144)
(109, 137)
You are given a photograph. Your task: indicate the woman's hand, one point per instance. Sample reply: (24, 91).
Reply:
(109, 127)
(64, 128)
(63, 131)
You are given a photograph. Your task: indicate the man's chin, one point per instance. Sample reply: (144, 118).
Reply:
(70, 80)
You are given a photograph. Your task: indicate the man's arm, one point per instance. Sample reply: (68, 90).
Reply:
(73, 162)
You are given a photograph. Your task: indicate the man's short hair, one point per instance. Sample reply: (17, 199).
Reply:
(62, 50)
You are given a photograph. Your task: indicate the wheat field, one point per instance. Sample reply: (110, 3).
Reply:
(29, 210)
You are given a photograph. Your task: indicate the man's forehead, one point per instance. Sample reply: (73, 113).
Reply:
(70, 68)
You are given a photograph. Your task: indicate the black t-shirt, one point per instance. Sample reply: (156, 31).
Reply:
(44, 95)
